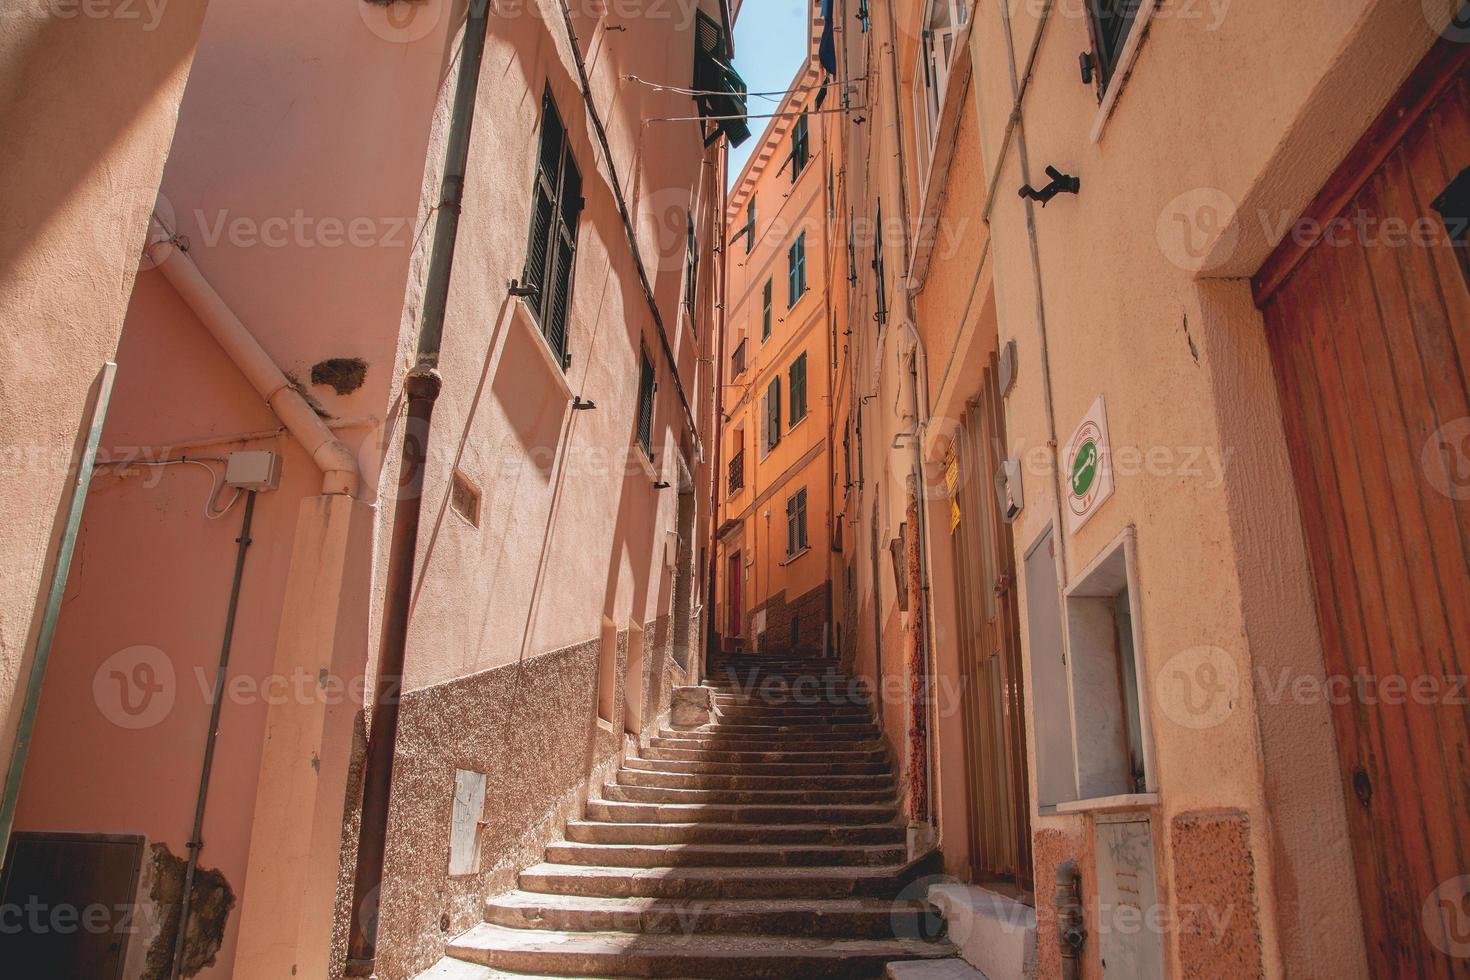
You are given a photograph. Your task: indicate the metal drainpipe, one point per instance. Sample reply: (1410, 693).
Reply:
(712, 628)
(1071, 933)
(211, 737)
(422, 389)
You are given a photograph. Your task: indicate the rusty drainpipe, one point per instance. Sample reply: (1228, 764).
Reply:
(1071, 931)
(422, 390)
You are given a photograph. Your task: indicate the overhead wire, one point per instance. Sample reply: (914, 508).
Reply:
(210, 513)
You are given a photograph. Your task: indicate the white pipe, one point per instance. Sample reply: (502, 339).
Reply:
(337, 462)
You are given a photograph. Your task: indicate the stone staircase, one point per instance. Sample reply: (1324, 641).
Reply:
(766, 844)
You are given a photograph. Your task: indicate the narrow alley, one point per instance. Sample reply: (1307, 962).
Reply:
(732, 489)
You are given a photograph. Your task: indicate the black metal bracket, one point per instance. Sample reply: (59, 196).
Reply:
(1084, 61)
(1060, 184)
(578, 405)
(525, 290)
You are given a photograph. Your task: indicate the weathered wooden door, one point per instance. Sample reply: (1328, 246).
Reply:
(1370, 336)
(990, 647)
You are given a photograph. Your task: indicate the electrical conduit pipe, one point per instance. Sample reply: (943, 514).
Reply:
(337, 462)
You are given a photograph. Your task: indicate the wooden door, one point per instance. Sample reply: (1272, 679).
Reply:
(992, 697)
(732, 584)
(1370, 337)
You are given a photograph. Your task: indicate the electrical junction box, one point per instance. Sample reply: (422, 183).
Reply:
(1009, 491)
(253, 470)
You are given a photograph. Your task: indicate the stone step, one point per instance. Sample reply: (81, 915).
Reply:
(760, 797)
(613, 811)
(947, 969)
(844, 918)
(835, 756)
(725, 728)
(722, 736)
(722, 855)
(833, 698)
(792, 705)
(794, 743)
(670, 780)
(620, 954)
(713, 883)
(757, 769)
(594, 832)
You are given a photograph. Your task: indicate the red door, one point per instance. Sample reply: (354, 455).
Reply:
(1370, 339)
(732, 579)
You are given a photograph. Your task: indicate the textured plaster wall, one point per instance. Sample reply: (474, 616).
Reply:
(88, 106)
(1180, 365)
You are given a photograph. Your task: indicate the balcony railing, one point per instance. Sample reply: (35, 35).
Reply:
(737, 360)
(737, 472)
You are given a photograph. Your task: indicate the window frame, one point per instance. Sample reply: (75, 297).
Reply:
(771, 417)
(801, 150)
(647, 402)
(767, 302)
(1109, 45)
(691, 272)
(750, 224)
(796, 282)
(936, 63)
(798, 538)
(800, 361)
(564, 199)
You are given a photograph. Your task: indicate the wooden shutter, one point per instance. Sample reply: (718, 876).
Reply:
(791, 525)
(645, 406)
(765, 424)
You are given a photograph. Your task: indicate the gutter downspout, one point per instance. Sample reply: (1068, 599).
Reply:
(337, 462)
(717, 475)
(421, 390)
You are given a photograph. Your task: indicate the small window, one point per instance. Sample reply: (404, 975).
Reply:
(771, 416)
(556, 204)
(862, 15)
(1110, 22)
(646, 389)
(798, 389)
(800, 146)
(766, 312)
(942, 22)
(691, 270)
(749, 230)
(796, 270)
(796, 539)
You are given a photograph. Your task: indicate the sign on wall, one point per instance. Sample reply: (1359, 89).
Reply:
(1088, 477)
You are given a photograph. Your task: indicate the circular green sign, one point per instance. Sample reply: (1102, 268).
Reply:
(1084, 469)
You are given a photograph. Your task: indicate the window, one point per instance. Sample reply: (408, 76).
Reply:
(862, 14)
(737, 464)
(749, 230)
(942, 22)
(796, 540)
(691, 269)
(879, 286)
(646, 389)
(852, 273)
(800, 146)
(556, 203)
(722, 102)
(1110, 21)
(796, 270)
(771, 416)
(737, 360)
(798, 389)
(766, 312)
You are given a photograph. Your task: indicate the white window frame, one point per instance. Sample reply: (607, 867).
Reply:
(938, 50)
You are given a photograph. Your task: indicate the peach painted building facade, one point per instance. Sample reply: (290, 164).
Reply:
(773, 539)
(281, 287)
(1115, 509)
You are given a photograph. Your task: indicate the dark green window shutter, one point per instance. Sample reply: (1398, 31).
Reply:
(798, 389)
(766, 311)
(791, 525)
(556, 206)
(645, 405)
